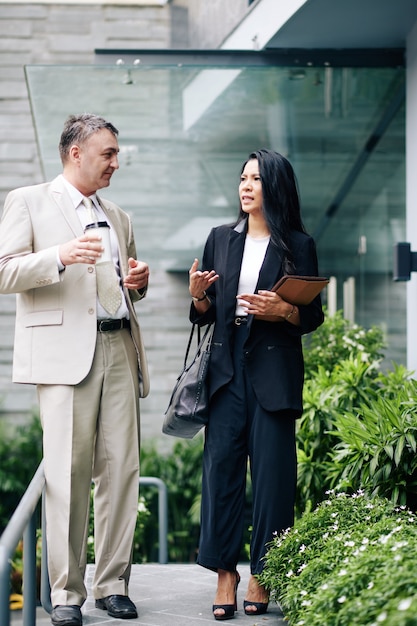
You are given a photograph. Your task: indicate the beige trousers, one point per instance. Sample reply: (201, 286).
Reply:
(91, 433)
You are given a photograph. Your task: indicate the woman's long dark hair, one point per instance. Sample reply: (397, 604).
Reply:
(281, 203)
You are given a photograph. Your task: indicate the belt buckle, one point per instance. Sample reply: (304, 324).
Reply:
(238, 321)
(106, 325)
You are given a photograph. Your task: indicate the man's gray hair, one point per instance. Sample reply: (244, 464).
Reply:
(78, 128)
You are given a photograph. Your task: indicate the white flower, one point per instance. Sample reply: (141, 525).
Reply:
(341, 599)
(370, 585)
(290, 573)
(305, 603)
(349, 544)
(303, 548)
(405, 604)
(303, 592)
(382, 617)
(342, 572)
(324, 586)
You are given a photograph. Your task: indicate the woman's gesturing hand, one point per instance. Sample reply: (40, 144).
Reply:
(200, 281)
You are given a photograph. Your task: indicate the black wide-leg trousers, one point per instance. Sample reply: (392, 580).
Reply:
(240, 429)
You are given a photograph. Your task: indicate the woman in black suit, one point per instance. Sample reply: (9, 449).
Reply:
(256, 372)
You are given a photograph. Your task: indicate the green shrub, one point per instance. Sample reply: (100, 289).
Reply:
(377, 441)
(20, 455)
(350, 561)
(336, 340)
(342, 363)
(327, 395)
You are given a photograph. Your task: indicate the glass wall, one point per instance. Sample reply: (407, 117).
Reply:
(185, 131)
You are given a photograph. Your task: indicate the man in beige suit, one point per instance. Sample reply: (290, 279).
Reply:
(89, 364)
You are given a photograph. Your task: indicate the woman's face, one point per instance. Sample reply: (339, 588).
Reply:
(250, 188)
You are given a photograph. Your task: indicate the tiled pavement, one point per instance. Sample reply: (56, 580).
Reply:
(169, 595)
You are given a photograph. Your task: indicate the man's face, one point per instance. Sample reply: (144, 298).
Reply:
(96, 161)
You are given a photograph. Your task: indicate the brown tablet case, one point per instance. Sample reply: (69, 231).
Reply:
(299, 289)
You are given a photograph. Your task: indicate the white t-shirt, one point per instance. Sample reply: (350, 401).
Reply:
(253, 257)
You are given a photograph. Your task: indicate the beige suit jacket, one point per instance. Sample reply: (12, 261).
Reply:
(55, 334)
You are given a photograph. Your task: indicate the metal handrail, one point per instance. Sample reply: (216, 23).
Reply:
(23, 522)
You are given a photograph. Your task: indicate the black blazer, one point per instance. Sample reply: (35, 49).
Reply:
(273, 351)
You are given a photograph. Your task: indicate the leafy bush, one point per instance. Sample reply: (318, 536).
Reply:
(377, 441)
(20, 455)
(336, 340)
(326, 395)
(342, 375)
(350, 561)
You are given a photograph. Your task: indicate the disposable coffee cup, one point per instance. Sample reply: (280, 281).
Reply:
(101, 229)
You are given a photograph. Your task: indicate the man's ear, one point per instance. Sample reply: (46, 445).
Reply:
(75, 153)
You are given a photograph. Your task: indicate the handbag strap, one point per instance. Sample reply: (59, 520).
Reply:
(200, 340)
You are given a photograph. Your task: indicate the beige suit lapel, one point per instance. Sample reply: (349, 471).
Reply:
(63, 201)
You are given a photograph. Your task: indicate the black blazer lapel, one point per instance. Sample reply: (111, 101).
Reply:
(233, 262)
(271, 269)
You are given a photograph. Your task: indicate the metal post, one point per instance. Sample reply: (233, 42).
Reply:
(5, 569)
(29, 572)
(162, 514)
(45, 584)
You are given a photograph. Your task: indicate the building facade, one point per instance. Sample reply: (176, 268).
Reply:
(224, 79)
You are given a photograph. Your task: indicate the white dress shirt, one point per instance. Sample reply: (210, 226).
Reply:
(85, 218)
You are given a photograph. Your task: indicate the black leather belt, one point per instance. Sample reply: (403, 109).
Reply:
(104, 326)
(241, 320)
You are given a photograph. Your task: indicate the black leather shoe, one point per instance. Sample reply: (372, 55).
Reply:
(66, 615)
(118, 606)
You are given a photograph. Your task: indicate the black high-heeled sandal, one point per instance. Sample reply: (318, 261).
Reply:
(261, 607)
(229, 609)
